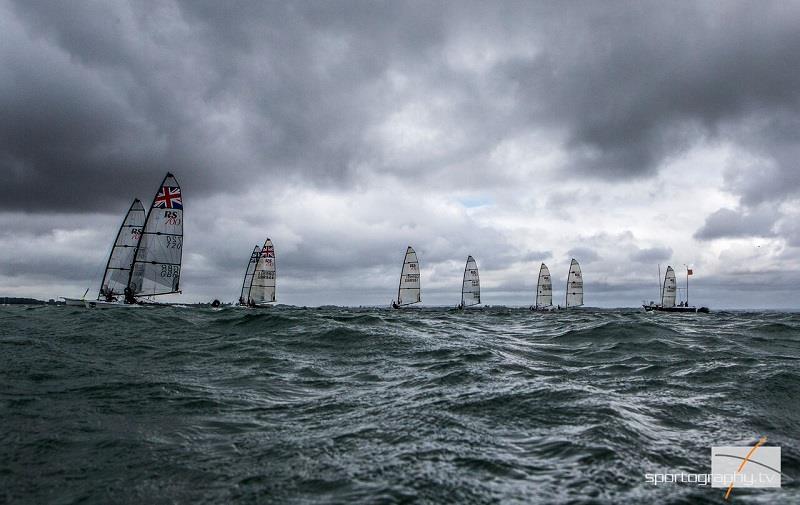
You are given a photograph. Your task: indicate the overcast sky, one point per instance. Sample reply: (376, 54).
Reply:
(624, 134)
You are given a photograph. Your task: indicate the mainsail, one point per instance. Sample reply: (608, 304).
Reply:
(574, 285)
(408, 291)
(157, 258)
(248, 275)
(262, 289)
(471, 287)
(544, 288)
(670, 289)
(118, 268)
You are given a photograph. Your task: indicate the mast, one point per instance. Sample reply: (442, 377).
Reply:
(660, 286)
(400, 283)
(464, 280)
(157, 258)
(566, 294)
(538, 287)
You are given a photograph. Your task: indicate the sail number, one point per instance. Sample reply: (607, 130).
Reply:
(170, 270)
(412, 277)
(268, 274)
(174, 242)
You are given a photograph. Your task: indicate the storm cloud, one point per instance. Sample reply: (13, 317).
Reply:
(518, 132)
(731, 223)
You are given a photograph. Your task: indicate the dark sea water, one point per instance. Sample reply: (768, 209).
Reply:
(291, 405)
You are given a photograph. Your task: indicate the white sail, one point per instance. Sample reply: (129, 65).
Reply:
(670, 289)
(574, 285)
(120, 260)
(262, 289)
(248, 275)
(544, 288)
(471, 287)
(157, 260)
(409, 290)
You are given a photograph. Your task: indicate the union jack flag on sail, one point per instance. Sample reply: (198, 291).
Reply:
(268, 252)
(168, 198)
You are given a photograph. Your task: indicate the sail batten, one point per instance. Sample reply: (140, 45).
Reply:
(408, 292)
(544, 288)
(670, 288)
(471, 286)
(115, 278)
(574, 297)
(159, 252)
(262, 287)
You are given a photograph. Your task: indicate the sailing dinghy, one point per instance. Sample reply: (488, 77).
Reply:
(115, 277)
(471, 286)
(669, 296)
(156, 260)
(544, 291)
(262, 285)
(408, 292)
(248, 276)
(574, 296)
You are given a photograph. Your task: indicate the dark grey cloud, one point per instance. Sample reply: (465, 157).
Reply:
(224, 94)
(537, 256)
(634, 85)
(728, 223)
(770, 174)
(584, 254)
(651, 255)
(790, 230)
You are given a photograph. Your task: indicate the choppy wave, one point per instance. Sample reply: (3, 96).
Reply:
(290, 405)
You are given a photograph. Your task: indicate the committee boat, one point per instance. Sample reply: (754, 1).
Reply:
(408, 292)
(669, 291)
(574, 296)
(544, 291)
(471, 285)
